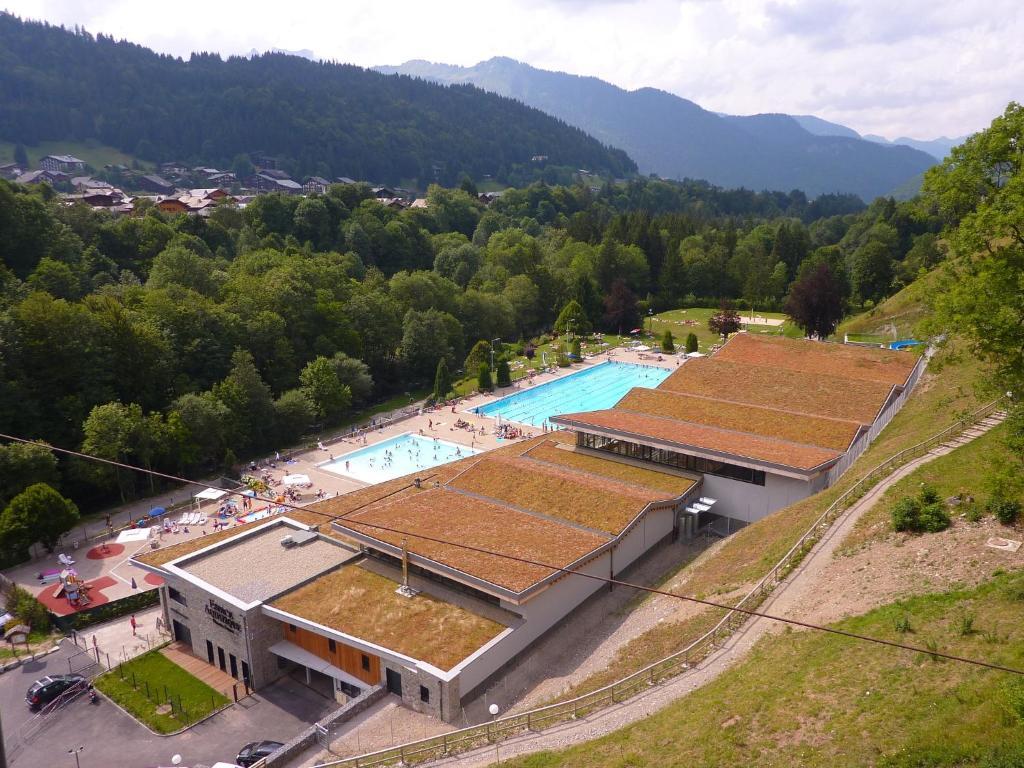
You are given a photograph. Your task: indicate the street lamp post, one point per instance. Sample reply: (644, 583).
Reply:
(493, 709)
(75, 753)
(650, 321)
(493, 342)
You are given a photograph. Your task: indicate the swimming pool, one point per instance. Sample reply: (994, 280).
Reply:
(588, 390)
(401, 455)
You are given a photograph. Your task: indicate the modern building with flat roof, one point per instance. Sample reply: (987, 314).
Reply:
(767, 420)
(428, 585)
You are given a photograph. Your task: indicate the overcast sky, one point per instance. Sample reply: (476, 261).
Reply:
(920, 68)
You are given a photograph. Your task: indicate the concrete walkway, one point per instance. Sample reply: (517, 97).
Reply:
(785, 601)
(116, 641)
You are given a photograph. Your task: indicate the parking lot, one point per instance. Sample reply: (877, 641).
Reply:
(113, 738)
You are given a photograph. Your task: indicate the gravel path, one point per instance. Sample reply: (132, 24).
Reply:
(787, 601)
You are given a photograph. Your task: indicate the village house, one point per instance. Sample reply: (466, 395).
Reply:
(153, 183)
(43, 177)
(315, 185)
(65, 163)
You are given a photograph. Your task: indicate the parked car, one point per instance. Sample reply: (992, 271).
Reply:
(255, 751)
(46, 689)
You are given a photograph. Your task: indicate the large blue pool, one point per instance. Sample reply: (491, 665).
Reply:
(591, 389)
(395, 457)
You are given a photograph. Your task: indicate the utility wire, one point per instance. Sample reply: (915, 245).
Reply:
(526, 561)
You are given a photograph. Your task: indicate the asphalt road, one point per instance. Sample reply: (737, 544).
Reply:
(113, 738)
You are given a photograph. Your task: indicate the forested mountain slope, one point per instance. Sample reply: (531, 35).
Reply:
(323, 118)
(676, 138)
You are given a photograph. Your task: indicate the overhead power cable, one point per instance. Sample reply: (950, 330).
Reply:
(348, 521)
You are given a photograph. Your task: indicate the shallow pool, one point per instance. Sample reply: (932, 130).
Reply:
(592, 389)
(401, 455)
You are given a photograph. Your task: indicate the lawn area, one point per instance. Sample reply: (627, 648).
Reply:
(810, 699)
(144, 685)
(695, 319)
(965, 470)
(95, 154)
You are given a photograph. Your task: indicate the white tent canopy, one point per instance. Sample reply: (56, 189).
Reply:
(296, 480)
(210, 494)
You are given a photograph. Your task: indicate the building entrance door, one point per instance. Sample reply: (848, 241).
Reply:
(209, 651)
(220, 659)
(234, 666)
(394, 682)
(181, 632)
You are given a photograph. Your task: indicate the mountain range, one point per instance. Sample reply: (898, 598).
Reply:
(315, 117)
(677, 138)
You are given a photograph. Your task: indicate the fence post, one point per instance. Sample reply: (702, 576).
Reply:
(146, 683)
(134, 686)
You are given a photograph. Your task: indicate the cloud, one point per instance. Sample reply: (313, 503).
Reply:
(913, 67)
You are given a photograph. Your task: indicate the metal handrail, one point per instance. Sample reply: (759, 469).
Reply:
(534, 719)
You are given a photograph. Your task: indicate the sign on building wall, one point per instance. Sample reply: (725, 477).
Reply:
(222, 617)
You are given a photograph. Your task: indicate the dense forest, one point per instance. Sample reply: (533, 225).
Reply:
(319, 118)
(188, 343)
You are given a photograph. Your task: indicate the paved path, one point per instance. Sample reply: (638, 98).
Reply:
(785, 601)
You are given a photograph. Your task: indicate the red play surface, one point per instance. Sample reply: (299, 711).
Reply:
(61, 607)
(105, 550)
(152, 578)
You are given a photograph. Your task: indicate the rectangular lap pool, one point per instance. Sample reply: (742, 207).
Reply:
(401, 455)
(592, 389)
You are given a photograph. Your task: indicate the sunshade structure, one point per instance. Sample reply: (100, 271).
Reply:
(296, 480)
(208, 494)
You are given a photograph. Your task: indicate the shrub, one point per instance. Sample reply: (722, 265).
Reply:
(973, 513)
(483, 378)
(504, 375)
(563, 360)
(905, 514)
(691, 342)
(1006, 511)
(530, 351)
(576, 350)
(928, 494)
(933, 518)
(926, 513)
(29, 610)
(668, 344)
(543, 339)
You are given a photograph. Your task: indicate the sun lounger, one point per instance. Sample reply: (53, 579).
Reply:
(65, 560)
(200, 520)
(701, 507)
(708, 501)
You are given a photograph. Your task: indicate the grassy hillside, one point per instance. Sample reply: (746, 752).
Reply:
(95, 154)
(968, 470)
(898, 316)
(810, 699)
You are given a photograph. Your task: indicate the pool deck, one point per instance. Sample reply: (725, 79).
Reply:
(114, 574)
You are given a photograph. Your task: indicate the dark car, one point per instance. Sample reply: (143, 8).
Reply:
(46, 689)
(255, 751)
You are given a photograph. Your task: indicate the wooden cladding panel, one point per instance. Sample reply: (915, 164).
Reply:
(344, 657)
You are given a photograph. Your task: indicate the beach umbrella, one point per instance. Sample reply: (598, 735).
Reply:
(637, 330)
(157, 511)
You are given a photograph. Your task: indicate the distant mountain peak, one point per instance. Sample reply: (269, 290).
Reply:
(677, 138)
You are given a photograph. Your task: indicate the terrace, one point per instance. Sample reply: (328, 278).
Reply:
(801, 392)
(709, 440)
(475, 522)
(359, 599)
(594, 502)
(860, 363)
(766, 422)
(549, 452)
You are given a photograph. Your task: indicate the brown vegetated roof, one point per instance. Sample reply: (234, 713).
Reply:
(451, 516)
(363, 604)
(603, 503)
(671, 484)
(766, 422)
(813, 394)
(741, 444)
(885, 366)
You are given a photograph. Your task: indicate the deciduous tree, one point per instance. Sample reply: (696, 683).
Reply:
(816, 302)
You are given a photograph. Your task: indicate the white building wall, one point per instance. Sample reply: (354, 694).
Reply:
(749, 502)
(556, 602)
